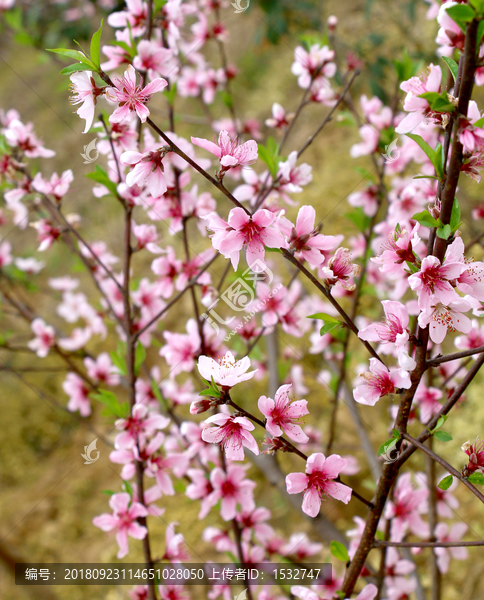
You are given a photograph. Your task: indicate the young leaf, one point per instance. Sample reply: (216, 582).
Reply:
(119, 362)
(339, 551)
(75, 68)
(461, 14)
(74, 54)
(95, 45)
(110, 401)
(100, 176)
(453, 66)
(440, 422)
(446, 482)
(323, 317)
(455, 216)
(423, 144)
(444, 232)
(139, 357)
(477, 478)
(386, 445)
(329, 327)
(425, 219)
(443, 436)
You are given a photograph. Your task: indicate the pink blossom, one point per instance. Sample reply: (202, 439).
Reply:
(5, 254)
(341, 270)
(57, 186)
(231, 489)
(123, 521)
(226, 372)
(293, 177)
(398, 248)
(308, 66)
(148, 170)
(232, 433)
(78, 392)
(255, 232)
(304, 239)
(153, 59)
(85, 92)
(132, 97)
(444, 533)
(23, 137)
(229, 152)
(318, 482)
(379, 382)
(167, 268)
(443, 318)
(405, 509)
(44, 337)
(279, 117)
(181, 350)
(419, 108)
(392, 331)
(370, 137)
(300, 547)
(134, 14)
(281, 414)
(138, 426)
(433, 281)
(102, 369)
(427, 400)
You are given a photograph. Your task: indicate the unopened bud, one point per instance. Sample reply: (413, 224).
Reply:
(200, 406)
(332, 22)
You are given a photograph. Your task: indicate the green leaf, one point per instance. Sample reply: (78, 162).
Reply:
(446, 482)
(477, 478)
(444, 232)
(323, 317)
(358, 218)
(423, 144)
(461, 14)
(107, 492)
(412, 267)
(427, 177)
(479, 123)
(95, 45)
(426, 219)
(339, 551)
(270, 155)
(329, 327)
(111, 402)
(75, 54)
(440, 422)
(100, 176)
(139, 357)
(405, 68)
(170, 94)
(74, 68)
(453, 66)
(443, 436)
(119, 362)
(455, 216)
(384, 447)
